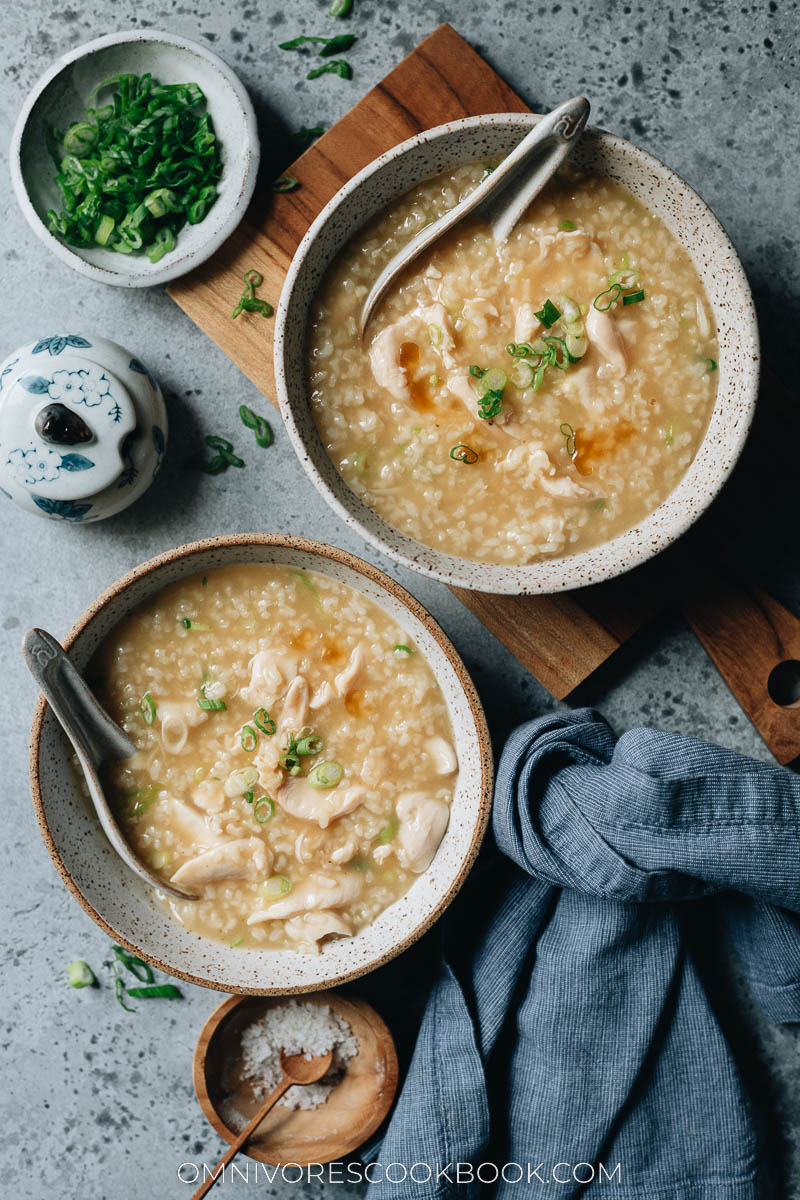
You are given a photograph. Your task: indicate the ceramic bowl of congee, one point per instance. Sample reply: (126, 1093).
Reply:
(526, 417)
(312, 765)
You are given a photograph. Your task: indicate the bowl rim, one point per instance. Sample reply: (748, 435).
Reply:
(575, 570)
(376, 576)
(204, 251)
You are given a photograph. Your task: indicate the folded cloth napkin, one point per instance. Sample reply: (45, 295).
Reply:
(569, 1044)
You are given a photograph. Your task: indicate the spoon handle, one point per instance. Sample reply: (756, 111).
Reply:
(86, 723)
(500, 198)
(531, 165)
(94, 737)
(244, 1136)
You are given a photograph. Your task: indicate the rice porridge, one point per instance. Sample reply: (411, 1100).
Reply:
(510, 402)
(295, 761)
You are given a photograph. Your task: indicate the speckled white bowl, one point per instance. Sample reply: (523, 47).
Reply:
(60, 97)
(125, 907)
(683, 212)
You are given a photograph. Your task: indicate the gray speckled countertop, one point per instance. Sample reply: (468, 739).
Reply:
(710, 87)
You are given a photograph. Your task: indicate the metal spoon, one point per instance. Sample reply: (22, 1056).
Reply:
(502, 197)
(297, 1069)
(95, 738)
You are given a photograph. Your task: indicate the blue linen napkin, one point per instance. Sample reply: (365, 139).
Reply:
(570, 1024)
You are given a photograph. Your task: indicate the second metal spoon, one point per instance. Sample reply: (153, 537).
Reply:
(502, 197)
(95, 738)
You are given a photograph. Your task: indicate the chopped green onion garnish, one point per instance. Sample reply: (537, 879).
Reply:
(249, 797)
(264, 722)
(401, 648)
(289, 759)
(137, 169)
(523, 375)
(148, 708)
(306, 582)
(144, 798)
(712, 366)
(388, 831)
(325, 775)
(490, 404)
(263, 809)
(548, 314)
(240, 781)
(286, 183)
(464, 454)
(568, 433)
(249, 738)
(360, 462)
(669, 439)
(604, 301)
(80, 974)
(276, 885)
(334, 66)
(189, 624)
(568, 225)
(633, 297)
(435, 334)
(238, 942)
(206, 703)
(477, 372)
(312, 743)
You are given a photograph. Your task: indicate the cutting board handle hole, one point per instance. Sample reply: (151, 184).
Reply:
(783, 684)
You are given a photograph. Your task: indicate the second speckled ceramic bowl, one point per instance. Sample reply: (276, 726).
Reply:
(125, 907)
(685, 215)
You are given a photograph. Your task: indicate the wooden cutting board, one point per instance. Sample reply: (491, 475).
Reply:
(561, 639)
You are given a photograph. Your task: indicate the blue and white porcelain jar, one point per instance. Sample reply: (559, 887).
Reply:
(83, 427)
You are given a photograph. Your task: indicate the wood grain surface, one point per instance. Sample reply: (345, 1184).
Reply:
(563, 638)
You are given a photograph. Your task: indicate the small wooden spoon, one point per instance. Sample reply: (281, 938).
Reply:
(297, 1069)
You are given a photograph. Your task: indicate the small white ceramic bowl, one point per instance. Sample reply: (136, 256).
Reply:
(685, 215)
(125, 907)
(60, 97)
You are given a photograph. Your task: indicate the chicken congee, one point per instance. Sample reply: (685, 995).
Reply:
(515, 401)
(295, 760)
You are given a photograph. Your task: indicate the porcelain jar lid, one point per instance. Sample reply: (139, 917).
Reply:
(82, 427)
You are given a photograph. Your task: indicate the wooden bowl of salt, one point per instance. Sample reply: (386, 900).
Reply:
(235, 1058)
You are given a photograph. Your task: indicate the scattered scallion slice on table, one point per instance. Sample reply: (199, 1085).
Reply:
(137, 169)
(158, 991)
(334, 66)
(80, 974)
(285, 183)
(248, 301)
(340, 8)
(258, 424)
(301, 139)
